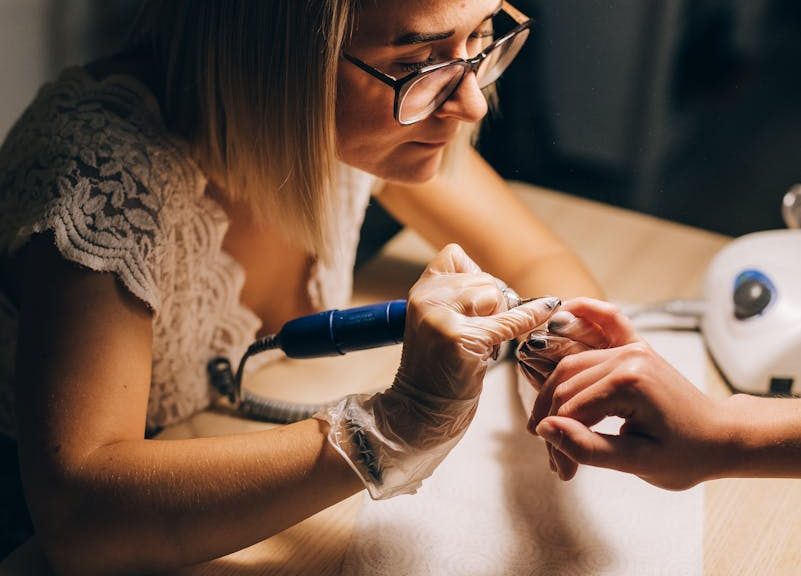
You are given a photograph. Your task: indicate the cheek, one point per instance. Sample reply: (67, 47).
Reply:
(364, 118)
(369, 138)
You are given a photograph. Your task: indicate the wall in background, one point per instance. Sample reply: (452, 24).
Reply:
(24, 56)
(38, 38)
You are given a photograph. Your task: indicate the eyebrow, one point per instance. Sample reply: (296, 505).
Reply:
(412, 38)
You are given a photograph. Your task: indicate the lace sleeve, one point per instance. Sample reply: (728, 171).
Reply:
(93, 173)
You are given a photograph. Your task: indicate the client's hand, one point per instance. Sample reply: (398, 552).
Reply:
(569, 331)
(540, 352)
(456, 317)
(671, 435)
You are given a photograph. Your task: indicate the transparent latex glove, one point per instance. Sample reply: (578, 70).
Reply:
(456, 318)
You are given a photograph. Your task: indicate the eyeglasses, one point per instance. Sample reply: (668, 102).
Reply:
(421, 93)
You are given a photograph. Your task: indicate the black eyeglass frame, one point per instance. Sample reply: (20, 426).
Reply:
(402, 85)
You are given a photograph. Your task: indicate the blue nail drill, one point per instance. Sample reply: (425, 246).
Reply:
(329, 333)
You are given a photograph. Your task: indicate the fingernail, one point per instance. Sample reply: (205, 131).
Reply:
(557, 325)
(560, 321)
(538, 343)
(546, 431)
(552, 303)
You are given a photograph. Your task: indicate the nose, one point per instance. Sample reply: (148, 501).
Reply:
(467, 103)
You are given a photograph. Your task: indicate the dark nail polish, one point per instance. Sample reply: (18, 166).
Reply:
(538, 343)
(553, 303)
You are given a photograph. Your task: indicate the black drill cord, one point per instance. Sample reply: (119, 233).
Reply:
(252, 405)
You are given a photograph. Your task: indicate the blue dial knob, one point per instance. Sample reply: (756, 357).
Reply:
(753, 292)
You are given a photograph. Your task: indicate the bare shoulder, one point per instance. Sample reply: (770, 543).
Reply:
(84, 357)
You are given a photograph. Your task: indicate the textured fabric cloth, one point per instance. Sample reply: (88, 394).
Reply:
(91, 162)
(493, 506)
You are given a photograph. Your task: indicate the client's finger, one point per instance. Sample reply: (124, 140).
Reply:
(565, 324)
(583, 446)
(567, 369)
(541, 344)
(615, 325)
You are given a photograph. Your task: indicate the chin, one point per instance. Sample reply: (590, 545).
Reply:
(412, 171)
(406, 165)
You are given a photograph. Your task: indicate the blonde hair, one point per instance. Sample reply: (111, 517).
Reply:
(251, 86)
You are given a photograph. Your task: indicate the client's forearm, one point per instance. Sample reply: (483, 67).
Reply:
(764, 437)
(145, 506)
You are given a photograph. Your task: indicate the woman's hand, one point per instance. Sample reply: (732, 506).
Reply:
(673, 434)
(456, 317)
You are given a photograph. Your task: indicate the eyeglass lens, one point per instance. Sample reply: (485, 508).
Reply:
(499, 59)
(428, 92)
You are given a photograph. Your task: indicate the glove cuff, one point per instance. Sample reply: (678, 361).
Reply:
(391, 443)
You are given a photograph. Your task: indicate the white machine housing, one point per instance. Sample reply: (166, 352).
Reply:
(760, 354)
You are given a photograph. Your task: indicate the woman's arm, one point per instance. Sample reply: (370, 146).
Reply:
(104, 499)
(474, 207)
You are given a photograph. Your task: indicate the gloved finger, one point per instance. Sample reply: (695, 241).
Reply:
(502, 286)
(511, 297)
(452, 259)
(490, 331)
(617, 328)
(565, 324)
(443, 285)
(483, 300)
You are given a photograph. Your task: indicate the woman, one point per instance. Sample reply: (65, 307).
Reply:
(593, 364)
(163, 207)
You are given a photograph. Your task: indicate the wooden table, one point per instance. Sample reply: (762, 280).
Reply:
(751, 526)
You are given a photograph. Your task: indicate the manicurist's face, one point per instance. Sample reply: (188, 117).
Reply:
(397, 37)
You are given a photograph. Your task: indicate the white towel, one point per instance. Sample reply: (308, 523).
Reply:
(494, 507)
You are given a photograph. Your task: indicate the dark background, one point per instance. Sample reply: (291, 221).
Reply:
(689, 110)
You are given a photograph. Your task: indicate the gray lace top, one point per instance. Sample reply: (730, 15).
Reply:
(91, 162)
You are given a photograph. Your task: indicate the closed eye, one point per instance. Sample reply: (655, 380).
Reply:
(415, 66)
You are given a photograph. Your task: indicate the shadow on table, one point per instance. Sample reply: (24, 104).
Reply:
(549, 524)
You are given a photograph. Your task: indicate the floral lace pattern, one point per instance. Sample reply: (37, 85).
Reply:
(91, 162)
